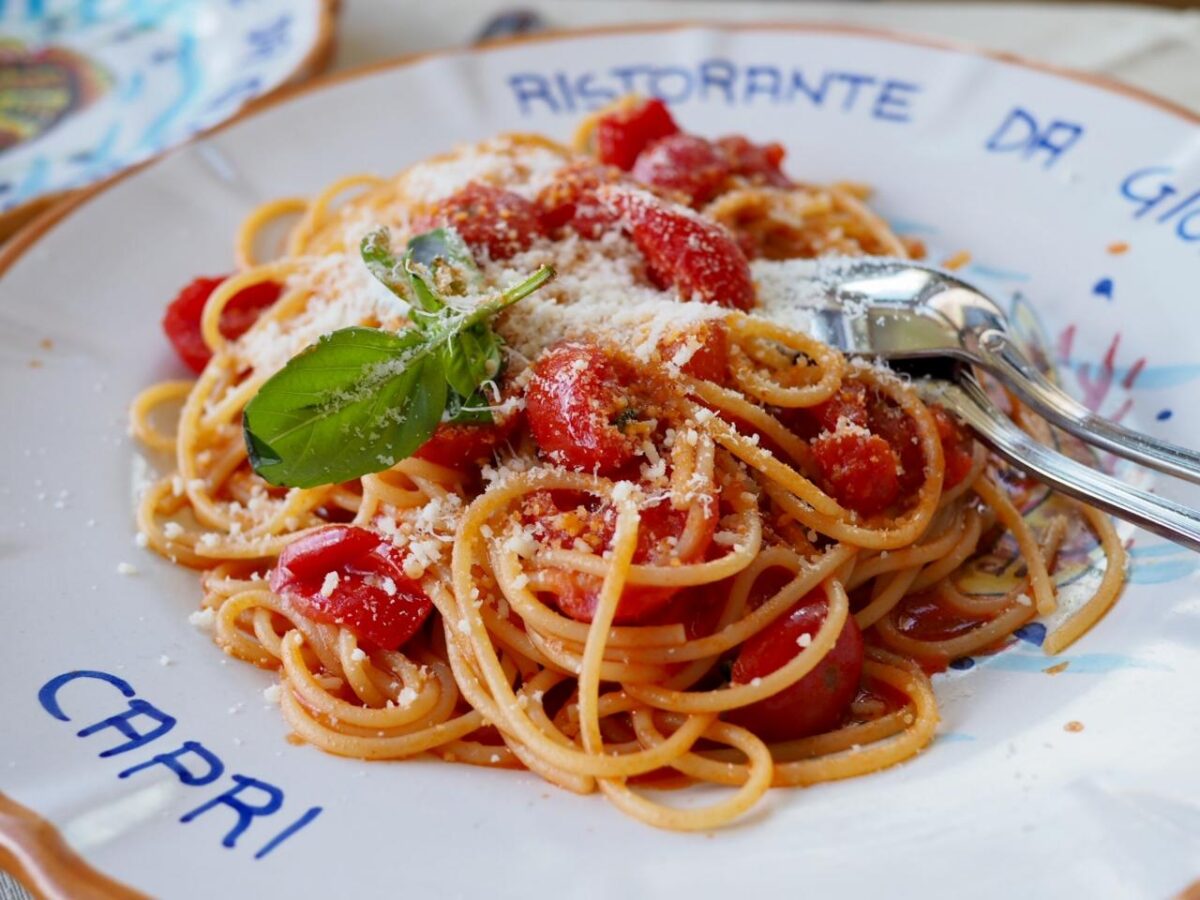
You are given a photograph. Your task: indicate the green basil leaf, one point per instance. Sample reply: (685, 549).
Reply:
(440, 264)
(355, 402)
(361, 399)
(470, 358)
(472, 410)
(376, 251)
(443, 244)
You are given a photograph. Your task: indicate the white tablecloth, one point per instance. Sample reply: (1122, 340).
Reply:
(1157, 50)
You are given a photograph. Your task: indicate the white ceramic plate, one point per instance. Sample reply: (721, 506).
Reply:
(1038, 174)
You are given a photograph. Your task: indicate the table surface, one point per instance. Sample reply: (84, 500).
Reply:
(1157, 50)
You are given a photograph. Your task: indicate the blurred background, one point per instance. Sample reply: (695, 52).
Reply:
(91, 87)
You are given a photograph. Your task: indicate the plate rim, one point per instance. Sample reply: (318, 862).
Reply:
(311, 67)
(31, 869)
(41, 224)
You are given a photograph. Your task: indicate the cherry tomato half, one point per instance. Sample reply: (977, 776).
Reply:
(344, 575)
(181, 321)
(817, 702)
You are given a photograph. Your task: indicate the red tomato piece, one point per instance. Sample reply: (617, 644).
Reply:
(683, 164)
(700, 259)
(577, 593)
(858, 469)
(461, 446)
(816, 703)
(623, 133)
(710, 359)
(569, 201)
(491, 220)
(575, 402)
(181, 322)
(758, 163)
(849, 403)
(343, 575)
(894, 426)
(956, 447)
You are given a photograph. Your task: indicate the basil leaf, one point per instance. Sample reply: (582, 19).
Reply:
(443, 244)
(376, 251)
(433, 253)
(361, 399)
(471, 358)
(355, 402)
(473, 410)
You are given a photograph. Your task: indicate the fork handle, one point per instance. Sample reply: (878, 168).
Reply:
(1002, 358)
(1164, 517)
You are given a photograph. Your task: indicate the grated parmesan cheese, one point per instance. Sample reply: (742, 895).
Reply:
(204, 619)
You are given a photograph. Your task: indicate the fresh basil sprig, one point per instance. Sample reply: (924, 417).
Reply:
(361, 399)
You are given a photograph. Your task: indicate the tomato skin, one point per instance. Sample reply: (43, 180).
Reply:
(577, 593)
(576, 393)
(460, 446)
(956, 448)
(181, 321)
(490, 220)
(362, 561)
(859, 470)
(817, 702)
(710, 360)
(758, 163)
(570, 201)
(623, 133)
(683, 164)
(700, 259)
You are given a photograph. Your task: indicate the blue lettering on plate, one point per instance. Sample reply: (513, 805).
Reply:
(1024, 133)
(884, 98)
(191, 762)
(1157, 195)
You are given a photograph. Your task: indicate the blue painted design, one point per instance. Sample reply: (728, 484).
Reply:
(569, 93)
(1160, 563)
(997, 273)
(1082, 664)
(237, 92)
(164, 79)
(1149, 378)
(189, 74)
(132, 89)
(34, 183)
(911, 226)
(962, 663)
(193, 764)
(1029, 134)
(305, 819)
(1163, 414)
(268, 41)
(1103, 288)
(1033, 633)
(1162, 190)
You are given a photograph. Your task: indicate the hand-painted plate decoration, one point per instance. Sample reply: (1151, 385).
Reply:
(168, 770)
(88, 88)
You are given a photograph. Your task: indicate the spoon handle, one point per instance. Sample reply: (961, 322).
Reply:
(969, 403)
(1002, 358)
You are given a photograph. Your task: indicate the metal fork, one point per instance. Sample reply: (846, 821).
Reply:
(900, 310)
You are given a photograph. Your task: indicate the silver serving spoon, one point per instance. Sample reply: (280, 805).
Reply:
(900, 310)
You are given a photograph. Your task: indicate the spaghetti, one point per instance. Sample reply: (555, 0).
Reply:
(685, 538)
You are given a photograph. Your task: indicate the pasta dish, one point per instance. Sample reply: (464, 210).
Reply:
(520, 459)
